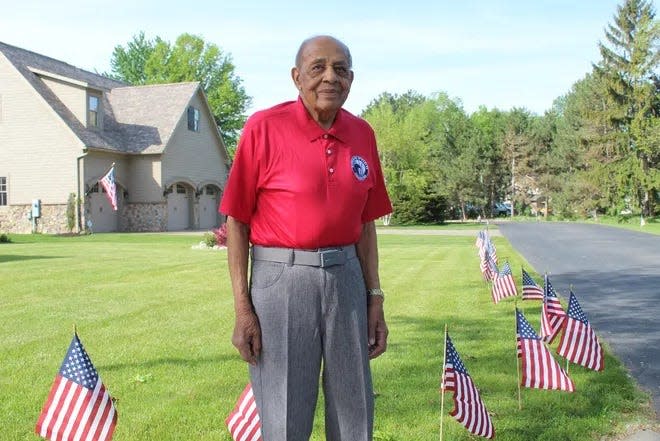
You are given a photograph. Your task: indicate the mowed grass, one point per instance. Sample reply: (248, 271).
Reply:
(156, 319)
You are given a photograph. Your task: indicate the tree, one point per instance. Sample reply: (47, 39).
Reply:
(190, 58)
(629, 70)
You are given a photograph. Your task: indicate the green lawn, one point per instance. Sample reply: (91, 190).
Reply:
(156, 319)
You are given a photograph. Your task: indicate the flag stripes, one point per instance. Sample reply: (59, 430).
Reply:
(530, 290)
(579, 343)
(539, 368)
(78, 406)
(503, 284)
(243, 422)
(469, 408)
(552, 313)
(110, 186)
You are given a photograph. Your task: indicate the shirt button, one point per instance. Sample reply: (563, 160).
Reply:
(325, 136)
(331, 170)
(329, 151)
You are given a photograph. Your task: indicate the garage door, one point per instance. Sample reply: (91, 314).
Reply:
(208, 208)
(179, 208)
(103, 218)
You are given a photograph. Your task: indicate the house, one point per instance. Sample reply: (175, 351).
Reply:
(61, 128)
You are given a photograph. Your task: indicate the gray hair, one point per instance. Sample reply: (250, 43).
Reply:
(309, 40)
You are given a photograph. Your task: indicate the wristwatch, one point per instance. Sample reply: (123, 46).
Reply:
(376, 292)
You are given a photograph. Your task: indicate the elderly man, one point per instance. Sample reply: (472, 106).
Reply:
(305, 188)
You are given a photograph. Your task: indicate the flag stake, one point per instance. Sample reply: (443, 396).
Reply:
(570, 287)
(517, 358)
(442, 384)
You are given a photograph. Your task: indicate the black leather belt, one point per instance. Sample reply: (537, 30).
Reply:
(323, 258)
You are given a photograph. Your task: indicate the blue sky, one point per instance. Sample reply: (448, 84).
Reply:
(497, 53)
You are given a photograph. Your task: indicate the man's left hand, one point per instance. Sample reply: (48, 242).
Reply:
(377, 327)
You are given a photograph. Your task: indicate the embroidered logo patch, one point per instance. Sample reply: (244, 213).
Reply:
(360, 168)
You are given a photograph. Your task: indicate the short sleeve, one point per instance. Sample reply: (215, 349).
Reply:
(378, 202)
(239, 197)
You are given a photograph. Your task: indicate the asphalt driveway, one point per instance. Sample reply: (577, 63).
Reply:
(615, 274)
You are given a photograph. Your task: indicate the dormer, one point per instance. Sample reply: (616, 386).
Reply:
(82, 99)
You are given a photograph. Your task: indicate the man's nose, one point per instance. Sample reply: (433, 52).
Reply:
(329, 74)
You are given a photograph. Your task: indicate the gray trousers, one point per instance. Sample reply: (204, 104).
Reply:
(312, 317)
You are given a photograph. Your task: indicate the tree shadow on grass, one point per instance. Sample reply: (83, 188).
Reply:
(408, 377)
(190, 362)
(11, 258)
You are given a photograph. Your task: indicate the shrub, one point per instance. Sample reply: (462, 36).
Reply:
(209, 239)
(71, 212)
(4, 238)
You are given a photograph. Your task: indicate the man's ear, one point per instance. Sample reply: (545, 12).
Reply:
(295, 76)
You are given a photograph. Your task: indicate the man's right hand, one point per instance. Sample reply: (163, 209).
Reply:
(247, 336)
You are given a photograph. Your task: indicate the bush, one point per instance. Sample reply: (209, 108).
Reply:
(209, 239)
(71, 212)
(4, 238)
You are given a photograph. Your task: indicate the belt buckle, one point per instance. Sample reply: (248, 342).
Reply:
(332, 257)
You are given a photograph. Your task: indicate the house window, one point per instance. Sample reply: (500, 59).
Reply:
(210, 190)
(3, 190)
(180, 189)
(93, 111)
(193, 119)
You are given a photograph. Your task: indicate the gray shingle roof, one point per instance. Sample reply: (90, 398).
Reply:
(145, 116)
(137, 119)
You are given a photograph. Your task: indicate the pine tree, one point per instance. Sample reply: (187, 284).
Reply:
(629, 71)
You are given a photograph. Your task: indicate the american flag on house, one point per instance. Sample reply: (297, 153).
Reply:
(579, 343)
(110, 186)
(78, 406)
(243, 422)
(539, 368)
(503, 284)
(552, 313)
(469, 408)
(530, 290)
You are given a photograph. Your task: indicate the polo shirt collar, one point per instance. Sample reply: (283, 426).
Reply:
(313, 130)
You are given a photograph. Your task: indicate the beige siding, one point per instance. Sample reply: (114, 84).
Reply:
(37, 150)
(74, 97)
(95, 164)
(196, 156)
(145, 179)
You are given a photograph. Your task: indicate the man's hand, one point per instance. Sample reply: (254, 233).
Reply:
(377, 327)
(247, 336)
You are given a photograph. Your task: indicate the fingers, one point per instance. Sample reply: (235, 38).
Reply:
(247, 337)
(380, 342)
(377, 330)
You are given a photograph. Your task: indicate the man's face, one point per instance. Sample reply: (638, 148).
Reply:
(323, 78)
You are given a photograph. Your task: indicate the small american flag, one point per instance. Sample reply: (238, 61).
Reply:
(530, 290)
(243, 422)
(552, 314)
(488, 267)
(539, 369)
(78, 406)
(503, 284)
(487, 255)
(110, 186)
(579, 343)
(469, 409)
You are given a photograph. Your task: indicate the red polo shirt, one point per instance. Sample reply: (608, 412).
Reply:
(299, 186)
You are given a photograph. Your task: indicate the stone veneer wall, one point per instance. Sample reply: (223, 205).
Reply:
(14, 219)
(144, 217)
